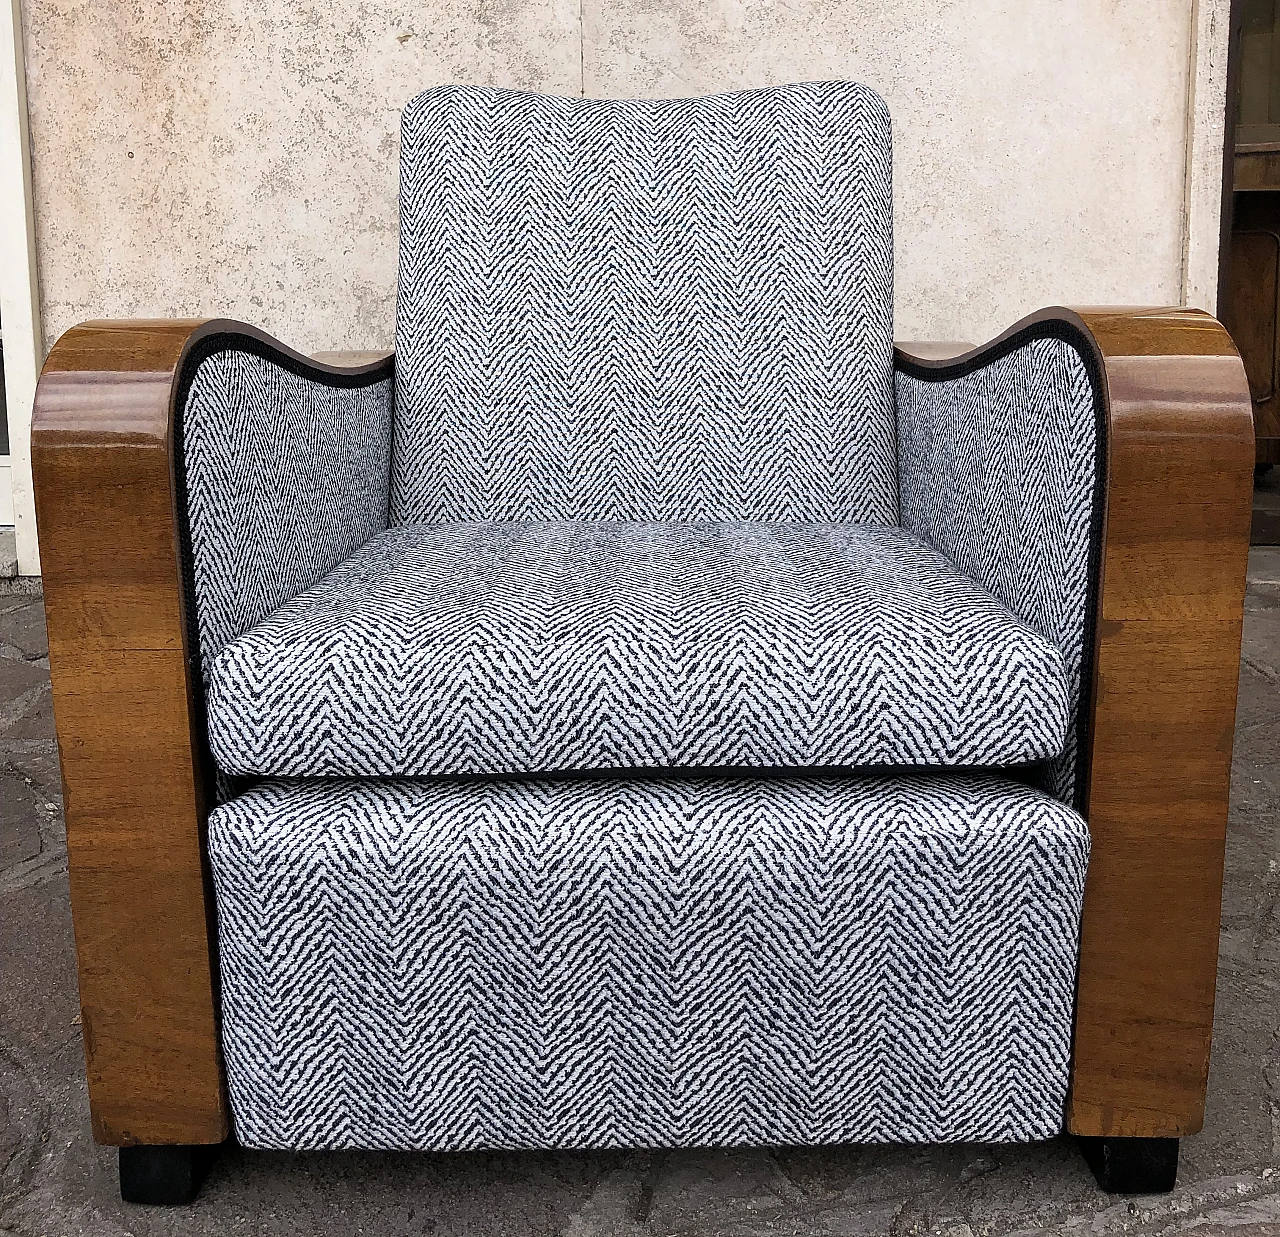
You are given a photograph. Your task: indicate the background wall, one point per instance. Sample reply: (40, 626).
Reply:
(234, 157)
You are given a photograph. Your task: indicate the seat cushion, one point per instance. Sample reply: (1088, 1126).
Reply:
(646, 961)
(530, 647)
(645, 309)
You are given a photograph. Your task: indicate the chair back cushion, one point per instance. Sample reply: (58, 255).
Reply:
(656, 310)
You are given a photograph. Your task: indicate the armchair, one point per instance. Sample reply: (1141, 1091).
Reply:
(644, 711)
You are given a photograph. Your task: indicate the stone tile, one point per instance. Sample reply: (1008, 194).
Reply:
(22, 628)
(14, 601)
(20, 586)
(1264, 560)
(19, 821)
(26, 705)
(8, 554)
(26, 701)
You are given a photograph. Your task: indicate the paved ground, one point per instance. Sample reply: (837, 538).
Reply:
(54, 1182)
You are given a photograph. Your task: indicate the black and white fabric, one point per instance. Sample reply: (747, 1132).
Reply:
(644, 487)
(999, 470)
(650, 310)
(529, 647)
(284, 478)
(646, 962)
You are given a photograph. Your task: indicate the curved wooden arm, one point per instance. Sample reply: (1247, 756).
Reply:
(134, 770)
(1175, 545)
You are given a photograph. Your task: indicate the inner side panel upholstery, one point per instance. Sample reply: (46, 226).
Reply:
(1001, 470)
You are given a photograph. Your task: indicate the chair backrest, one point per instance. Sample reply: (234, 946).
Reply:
(645, 310)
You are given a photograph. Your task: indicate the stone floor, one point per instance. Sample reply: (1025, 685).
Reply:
(54, 1182)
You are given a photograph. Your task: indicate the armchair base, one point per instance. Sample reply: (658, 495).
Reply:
(1132, 1165)
(163, 1175)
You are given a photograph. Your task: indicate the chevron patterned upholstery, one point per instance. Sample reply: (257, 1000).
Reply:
(284, 478)
(655, 310)
(520, 648)
(646, 962)
(648, 500)
(1000, 471)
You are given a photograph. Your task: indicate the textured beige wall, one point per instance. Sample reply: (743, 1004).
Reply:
(1039, 145)
(240, 158)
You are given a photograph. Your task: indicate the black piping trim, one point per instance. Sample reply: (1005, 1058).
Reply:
(1067, 332)
(1026, 772)
(202, 349)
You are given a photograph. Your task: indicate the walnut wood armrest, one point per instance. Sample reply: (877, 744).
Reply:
(134, 767)
(1175, 544)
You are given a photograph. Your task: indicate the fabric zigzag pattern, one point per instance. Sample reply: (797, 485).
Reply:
(285, 478)
(999, 471)
(525, 648)
(631, 962)
(643, 485)
(645, 310)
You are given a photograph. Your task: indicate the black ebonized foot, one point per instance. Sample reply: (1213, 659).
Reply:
(163, 1176)
(1132, 1165)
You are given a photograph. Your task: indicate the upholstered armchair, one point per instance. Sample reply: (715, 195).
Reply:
(647, 709)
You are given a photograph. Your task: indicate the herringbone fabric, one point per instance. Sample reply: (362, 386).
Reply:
(623, 962)
(488, 648)
(653, 310)
(284, 478)
(999, 471)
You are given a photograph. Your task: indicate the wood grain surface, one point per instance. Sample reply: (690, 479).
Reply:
(1175, 547)
(133, 765)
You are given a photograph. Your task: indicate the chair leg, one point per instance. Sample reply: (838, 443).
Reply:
(1132, 1165)
(163, 1175)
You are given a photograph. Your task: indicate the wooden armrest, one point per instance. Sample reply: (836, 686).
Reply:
(1179, 482)
(135, 772)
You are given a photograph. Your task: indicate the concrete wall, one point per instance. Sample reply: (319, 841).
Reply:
(236, 157)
